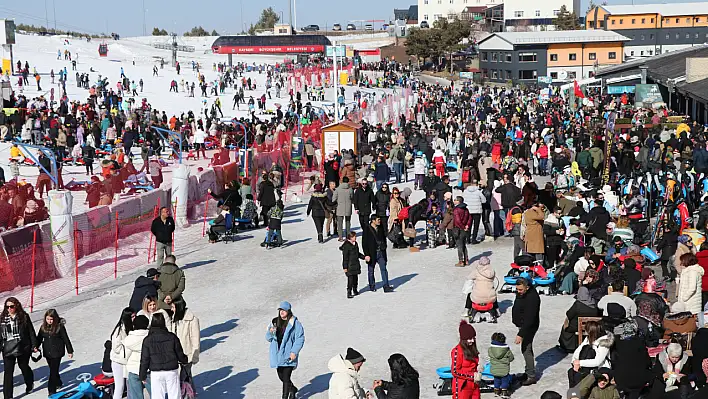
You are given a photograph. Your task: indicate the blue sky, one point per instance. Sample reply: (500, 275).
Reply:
(182, 15)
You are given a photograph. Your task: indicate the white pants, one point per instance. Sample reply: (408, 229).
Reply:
(119, 375)
(164, 382)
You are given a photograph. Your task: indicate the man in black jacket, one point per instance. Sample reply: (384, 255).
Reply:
(430, 181)
(162, 228)
(162, 354)
(144, 286)
(364, 201)
(510, 195)
(373, 242)
(525, 316)
(266, 196)
(383, 201)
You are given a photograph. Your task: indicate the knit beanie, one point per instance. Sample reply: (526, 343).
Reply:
(467, 332)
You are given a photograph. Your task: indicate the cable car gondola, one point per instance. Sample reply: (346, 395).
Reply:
(103, 50)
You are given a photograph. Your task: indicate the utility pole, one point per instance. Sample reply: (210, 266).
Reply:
(295, 13)
(243, 26)
(54, 5)
(144, 25)
(174, 49)
(291, 13)
(336, 84)
(46, 14)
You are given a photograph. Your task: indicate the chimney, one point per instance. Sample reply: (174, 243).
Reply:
(696, 69)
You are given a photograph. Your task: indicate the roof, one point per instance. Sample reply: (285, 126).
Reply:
(665, 9)
(347, 123)
(475, 9)
(664, 66)
(406, 13)
(697, 89)
(552, 37)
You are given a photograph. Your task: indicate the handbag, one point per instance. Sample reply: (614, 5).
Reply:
(11, 347)
(409, 232)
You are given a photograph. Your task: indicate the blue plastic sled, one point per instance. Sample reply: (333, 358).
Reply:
(649, 254)
(83, 390)
(451, 165)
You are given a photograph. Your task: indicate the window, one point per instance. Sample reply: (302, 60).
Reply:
(439, 1)
(677, 36)
(696, 36)
(601, 24)
(484, 73)
(641, 53)
(666, 20)
(452, 1)
(688, 20)
(484, 56)
(621, 20)
(495, 74)
(651, 20)
(508, 57)
(528, 74)
(613, 22)
(650, 52)
(518, 14)
(494, 57)
(538, 13)
(677, 20)
(643, 37)
(554, 57)
(556, 12)
(425, 2)
(572, 57)
(651, 36)
(633, 21)
(437, 16)
(527, 57)
(667, 36)
(612, 55)
(688, 35)
(592, 56)
(631, 53)
(698, 20)
(644, 20)
(508, 74)
(425, 17)
(571, 74)
(554, 75)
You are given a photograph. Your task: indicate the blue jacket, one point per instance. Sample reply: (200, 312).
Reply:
(293, 340)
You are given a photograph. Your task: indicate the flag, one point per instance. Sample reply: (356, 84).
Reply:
(578, 91)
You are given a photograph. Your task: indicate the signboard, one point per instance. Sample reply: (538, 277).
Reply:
(647, 95)
(7, 31)
(545, 79)
(331, 142)
(269, 49)
(609, 136)
(620, 89)
(341, 51)
(545, 95)
(466, 75)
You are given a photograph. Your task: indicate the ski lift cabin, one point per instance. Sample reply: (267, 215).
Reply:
(103, 50)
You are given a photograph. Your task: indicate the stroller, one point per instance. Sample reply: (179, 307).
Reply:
(86, 389)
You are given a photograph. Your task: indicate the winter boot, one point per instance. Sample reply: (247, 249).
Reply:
(388, 288)
(460, 264)
(497, 391)
(293, 391)
(505, 393)
(349, 294)
(372, 288)
(320, 239)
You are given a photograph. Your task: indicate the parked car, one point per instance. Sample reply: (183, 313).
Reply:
(369, 27)
(337, 27)
(311, 28)
(424, 25)
(351, 27)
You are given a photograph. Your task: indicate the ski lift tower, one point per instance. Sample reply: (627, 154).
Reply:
(174, 49)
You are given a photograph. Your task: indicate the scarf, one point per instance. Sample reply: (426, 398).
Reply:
(10, 329)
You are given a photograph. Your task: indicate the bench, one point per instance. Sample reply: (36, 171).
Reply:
(581, 326)
(625, 290)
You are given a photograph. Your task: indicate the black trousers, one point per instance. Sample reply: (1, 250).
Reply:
(352, 283)
(552, 255)
(364, 220)
(23, 362)
(264, 215)
(476, 218)
(319, 224)
(54, 377)
(285, 373)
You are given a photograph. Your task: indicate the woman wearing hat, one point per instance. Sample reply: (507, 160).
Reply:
(465, 358)
(286, 337)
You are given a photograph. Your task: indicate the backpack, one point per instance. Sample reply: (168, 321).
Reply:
(508, 223)
(400, 156)
(403, 214)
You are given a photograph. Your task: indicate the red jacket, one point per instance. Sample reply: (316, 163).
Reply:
(463, 385)
(703, 262)
(461, 217)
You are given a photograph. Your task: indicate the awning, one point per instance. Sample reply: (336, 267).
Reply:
(623, 79)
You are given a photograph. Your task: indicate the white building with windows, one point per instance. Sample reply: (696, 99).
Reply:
(432, 10)
(532, 16)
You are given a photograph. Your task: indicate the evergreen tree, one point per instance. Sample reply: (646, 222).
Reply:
(566, 20)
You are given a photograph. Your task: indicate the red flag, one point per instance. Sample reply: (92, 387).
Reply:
(578, 91)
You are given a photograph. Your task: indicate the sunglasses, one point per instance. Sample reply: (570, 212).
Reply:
(9, 306)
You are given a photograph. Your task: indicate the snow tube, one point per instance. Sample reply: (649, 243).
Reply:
(550, 279)
(451, 165)
(649, 254)
(487, 372)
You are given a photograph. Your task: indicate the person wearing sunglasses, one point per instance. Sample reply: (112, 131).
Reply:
(18, 340)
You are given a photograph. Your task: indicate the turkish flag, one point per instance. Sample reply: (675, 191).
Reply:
(578, 92)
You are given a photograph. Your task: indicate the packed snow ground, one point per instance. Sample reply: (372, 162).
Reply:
(235, 288)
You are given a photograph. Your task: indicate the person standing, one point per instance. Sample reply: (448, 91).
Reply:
(55, 344)
(144, 286)
(343, 197)
(344, 383)
(350, 262)
(318, 207)
(373, 244)
(134, 347)
(172, 283)
(162, 228)
(118, 355)
(510, 195)
(475, 198)
(533, 236)
(461, 225)
(382, 202)
(286, 337)
(266, 196)
(364, 201)
(525, 315)
(465, 358)
(186, 326)
(161, 355)
(18, 340)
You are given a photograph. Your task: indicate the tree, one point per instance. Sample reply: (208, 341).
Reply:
(591, 6)
(197, 31)
(566, 20)
(159, 32)
(451, 36)
(420, 43)
(267, 20)
(215, 33)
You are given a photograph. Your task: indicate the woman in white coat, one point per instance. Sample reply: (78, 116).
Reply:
(119, 355)
(134, 346)
(689, 289)
(344, 383)
(186, 326)
(592, 354)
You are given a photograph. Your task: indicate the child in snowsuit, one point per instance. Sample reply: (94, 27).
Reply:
(433, 225)
(250, 210)
(500, 358)
(274, 237)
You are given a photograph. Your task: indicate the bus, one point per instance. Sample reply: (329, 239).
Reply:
(272, 44)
